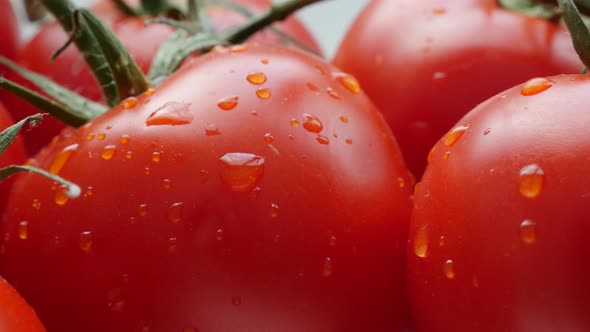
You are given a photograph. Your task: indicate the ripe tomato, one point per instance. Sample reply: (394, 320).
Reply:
(70, 70)
(499, 228)
(9, 28)
(15, 313)
(426, 63)
(14, 154)
(257, 189)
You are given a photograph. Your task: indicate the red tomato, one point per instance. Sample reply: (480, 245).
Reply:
(70, 70)
(9, 28)
(15, 313)
(14, 154)
(426, 63)
(258, 189)
(500, 222)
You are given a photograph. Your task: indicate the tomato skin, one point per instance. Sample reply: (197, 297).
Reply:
(70, 69)
(320, 246)
(9, 28)
(426, 63)
(15, 313)
(517, 258)
(14, 154)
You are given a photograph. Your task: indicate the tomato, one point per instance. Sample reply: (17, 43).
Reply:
(9, 28)
(426, 63)
(257, 189)
(499, 227)
(70, 70)
(14, 154)
(15, 313)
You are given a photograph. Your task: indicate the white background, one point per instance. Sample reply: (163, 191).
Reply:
(328, 20)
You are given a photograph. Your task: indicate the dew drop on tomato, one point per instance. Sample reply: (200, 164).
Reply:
(124, 140)
(156, 157)
(256, 78)
(332, 241)
(343, 119)
(150, 92)
(453, 136)
(312, 124)
(212, 130)
(421, 242)
(129, 154)
(108, 152)
(86, 241)
(101, 136)
(175, 212)
(487, 131)
(115, 300)
(61, 198)
(171, 114)
(129, 103)
(531, 180)
(36, 204)
(142, 210)
(228, 104)
(313, 88)
(328, 267)
(61, 158)
(219, 234)
(273, 211)
(349, 82)
(172, 245)
(348, 141)
(167, 184)
(23, 230)
(333, 93)
(241, 172)
(268, 138)
(536, 85)
(528, 231)
(147, 171)
(294, 123)
(263, 93)
(323, 140)
(449, 269)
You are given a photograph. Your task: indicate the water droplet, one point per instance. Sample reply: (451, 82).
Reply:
(101, 136)
(150, 92)
(348, 141)
(254, 113)
(291, 137)
(236, 300)
(332, 241)
(142, 210)
(129, 103)
(115, 300)
(108, 152)
(323, 140)
(446, 155)
(90, 137)
(349, 82)
(343, 119)
(455, 134)
(273, 211)
(204, 176)
(313, 88)
(256, 78)
(263, 93)
(228, 104)
(294, 123)
(238, 48)
(89, 191)
(156, 156)
(439, 11)
(312, 124)
(439, 75)
(421, 242)
(328, 267)
(124, 139)
(36, 204)
(129, 154)
(172, 245)
(175, 212)
(449, 269)
(531, 181)
(528, 231)
(265, 61)
(401, 182)
(268, 138)
(535, 86)
(212, 130)
(61, 198)
(487, 131)
(61, 158)
(219, 234)
(241, 171)
(147, 171)
(86, 240)
(23, 230)
(442, 241)
(492, 171)
(167, 184)
(171, 113)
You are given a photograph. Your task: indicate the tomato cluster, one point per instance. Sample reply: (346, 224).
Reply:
(261, 188)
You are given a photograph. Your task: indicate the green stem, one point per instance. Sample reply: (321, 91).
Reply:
(9, 134)
(277, 12)
(57, 110)
(72, 191)
(577, 28)
(154, 7)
